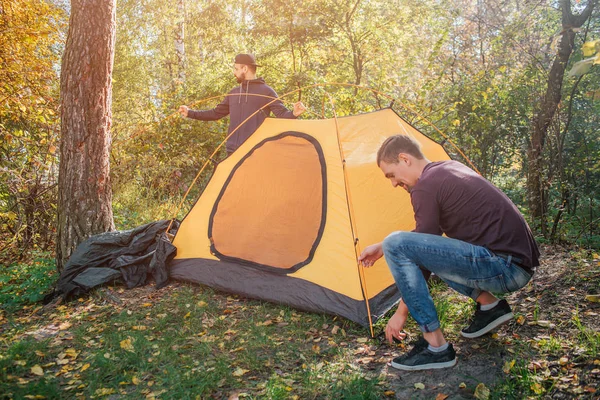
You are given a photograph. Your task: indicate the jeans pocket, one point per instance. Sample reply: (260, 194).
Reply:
(516, 278)
(493, 284)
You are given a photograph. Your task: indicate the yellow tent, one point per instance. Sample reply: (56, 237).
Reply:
(285, 217)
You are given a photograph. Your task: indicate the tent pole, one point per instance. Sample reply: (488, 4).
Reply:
(361, 269)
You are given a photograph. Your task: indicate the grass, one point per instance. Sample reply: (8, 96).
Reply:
(187, 342)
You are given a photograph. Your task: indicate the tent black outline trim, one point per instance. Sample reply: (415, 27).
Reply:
(317, 146)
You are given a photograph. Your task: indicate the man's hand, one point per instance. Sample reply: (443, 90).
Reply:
(183, 110)
(371, 254)
(394, 327)
(299, 109)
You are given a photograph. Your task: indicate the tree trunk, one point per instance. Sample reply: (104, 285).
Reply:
(180, 41)
(537, 190)
(84, 190)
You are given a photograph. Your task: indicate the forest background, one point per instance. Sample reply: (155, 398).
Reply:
(514, 84)
(478, 70)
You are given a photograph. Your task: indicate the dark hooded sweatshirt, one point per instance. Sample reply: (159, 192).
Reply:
(240, 104)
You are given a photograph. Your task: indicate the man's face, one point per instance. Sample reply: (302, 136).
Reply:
(240, 70)
(399, 173)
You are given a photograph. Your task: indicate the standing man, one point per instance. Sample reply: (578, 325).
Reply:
(489, 249)
(241, 103)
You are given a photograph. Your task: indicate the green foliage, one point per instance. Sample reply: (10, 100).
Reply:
(26, 283)
(29, 123)
(474, 69)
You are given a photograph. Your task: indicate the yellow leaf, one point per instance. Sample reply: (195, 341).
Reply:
(537, 388)
(563, 361)
(135, 380)
(52, 149)
(508, 366)
(201, 303)
(187, 315)
(419, 386)
(37, 370)
(86, 366)
(147, 305)
(456, 122)
(104, 392)
(64, 326)
(362, 340)
(482, 392)
(594, 298)
(389, 393)
(240, 372)
(589, 48)
(520, 319)
(462, 385)
(127, 344)
(71, 353)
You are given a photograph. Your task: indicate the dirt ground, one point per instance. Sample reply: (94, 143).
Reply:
(547, 305)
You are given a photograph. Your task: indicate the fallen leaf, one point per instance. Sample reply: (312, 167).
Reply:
(482, 392)
(86, 366)
(462, 385)
(240, 372)
(201, 303)
(537, 388)
(389, 393)
(520, 319)
(71, 353)
(508, 366)
(441, 396)
(127, 345)
(104, 391)
(362, 340)
(64, 326)
(187, 315)
(135, 380)
(594, 298)
(37, 370)
(563, 360)
(419, 386)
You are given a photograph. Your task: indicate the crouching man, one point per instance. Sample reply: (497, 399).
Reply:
(488, 249)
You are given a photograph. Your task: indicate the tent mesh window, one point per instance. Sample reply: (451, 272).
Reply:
(280, 183)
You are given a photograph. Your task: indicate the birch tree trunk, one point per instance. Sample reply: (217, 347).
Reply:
(84, 190)
(180, 41)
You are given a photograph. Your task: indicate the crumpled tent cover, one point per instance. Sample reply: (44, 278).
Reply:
(130, 256)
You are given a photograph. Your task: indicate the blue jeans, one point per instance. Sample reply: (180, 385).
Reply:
(466, 268)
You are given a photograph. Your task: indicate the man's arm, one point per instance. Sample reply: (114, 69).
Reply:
(220, 111)
(281, 111)
(427, 212)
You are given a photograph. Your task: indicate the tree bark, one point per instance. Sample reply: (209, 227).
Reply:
(84, 189)
(180, 41)
(537, 190)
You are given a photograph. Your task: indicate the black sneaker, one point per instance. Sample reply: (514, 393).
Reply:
(420, 358)
(485, 321)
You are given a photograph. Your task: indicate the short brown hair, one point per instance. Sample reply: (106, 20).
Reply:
(397, 144)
